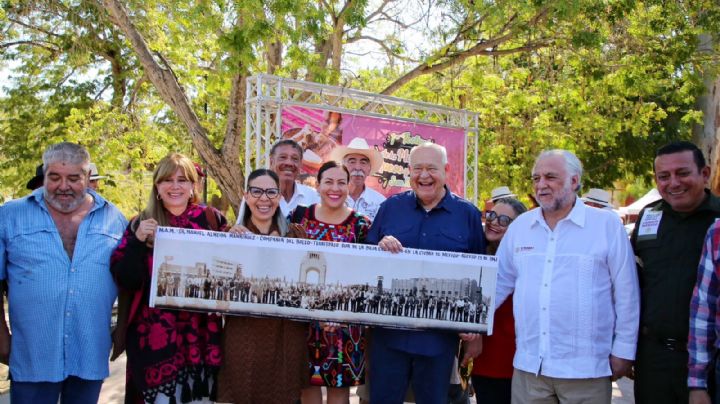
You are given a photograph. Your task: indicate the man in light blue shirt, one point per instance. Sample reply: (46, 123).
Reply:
(55, 247)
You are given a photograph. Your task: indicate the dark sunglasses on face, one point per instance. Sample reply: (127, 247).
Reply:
(256, 192)
(503, 220)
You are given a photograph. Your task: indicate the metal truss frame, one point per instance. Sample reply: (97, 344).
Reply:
(266, 95)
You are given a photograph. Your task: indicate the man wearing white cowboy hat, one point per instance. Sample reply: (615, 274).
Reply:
(94, 177)
(598, 198)
(362, 162)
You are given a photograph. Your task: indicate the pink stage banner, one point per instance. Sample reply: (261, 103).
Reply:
(319, 131)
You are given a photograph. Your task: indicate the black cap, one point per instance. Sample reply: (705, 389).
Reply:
(36, 181)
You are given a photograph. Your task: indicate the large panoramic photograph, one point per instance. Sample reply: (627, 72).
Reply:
(316, 280)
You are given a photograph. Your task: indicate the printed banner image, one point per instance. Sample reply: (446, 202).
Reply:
(319, 131)
(304, 279)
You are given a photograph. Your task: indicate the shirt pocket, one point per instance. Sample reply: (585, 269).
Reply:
(100, 244)
(30, 248)
(407, 235)
(448, 240)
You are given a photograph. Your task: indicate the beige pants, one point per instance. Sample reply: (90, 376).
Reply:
(530, 389)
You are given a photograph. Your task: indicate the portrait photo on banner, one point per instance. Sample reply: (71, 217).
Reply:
(316, 280)
(319, 131)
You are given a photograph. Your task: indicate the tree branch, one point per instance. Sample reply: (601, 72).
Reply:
(34, 28)
(38, 44)
(487, 48)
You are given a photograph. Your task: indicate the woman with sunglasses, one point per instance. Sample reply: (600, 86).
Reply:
(265, 358)
(492, 369)
(337, 353)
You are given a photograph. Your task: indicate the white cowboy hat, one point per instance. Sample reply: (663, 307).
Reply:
(599, 196)
(358, 145)
(501, 192)
(94, 173)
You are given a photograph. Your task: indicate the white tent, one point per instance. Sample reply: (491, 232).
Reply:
(635, 207)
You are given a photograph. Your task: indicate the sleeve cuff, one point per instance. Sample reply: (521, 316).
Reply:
(696, 383)
(624, 350)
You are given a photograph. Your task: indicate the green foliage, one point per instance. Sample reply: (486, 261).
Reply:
(611, 90)
(609, 79)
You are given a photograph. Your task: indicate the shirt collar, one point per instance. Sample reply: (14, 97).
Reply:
(445, 202)
(576, 215)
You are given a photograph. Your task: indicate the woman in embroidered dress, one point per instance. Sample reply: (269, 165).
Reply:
(265, 358)
(337, 353)
(172, 355)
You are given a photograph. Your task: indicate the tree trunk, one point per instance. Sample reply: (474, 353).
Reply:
(224, 170)
(707, 135)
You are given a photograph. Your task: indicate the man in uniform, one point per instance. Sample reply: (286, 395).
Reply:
(667, 242)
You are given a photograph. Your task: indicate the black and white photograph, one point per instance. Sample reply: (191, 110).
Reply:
(316, 280)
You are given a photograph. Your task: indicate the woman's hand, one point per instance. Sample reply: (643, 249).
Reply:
(146, 230)
(296, 230)
(239, 229)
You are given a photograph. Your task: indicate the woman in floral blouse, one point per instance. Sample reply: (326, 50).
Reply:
(172, 355)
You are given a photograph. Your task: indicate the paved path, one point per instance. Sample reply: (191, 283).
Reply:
(114, 388)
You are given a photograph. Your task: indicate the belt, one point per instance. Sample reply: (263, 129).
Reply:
(669, 343)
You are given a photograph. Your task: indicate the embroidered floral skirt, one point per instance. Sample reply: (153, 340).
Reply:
(336, 359)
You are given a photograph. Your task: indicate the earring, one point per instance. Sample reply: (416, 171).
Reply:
(157, 196)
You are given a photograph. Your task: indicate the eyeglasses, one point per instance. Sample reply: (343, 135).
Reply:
(503, 220)
(256, 192)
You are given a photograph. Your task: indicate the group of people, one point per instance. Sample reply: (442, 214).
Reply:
(578, 303)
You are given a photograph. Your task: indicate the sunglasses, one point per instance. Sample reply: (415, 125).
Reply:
(256, 192)
(503, 220)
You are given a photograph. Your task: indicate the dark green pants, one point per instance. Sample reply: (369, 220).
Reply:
(660, 374)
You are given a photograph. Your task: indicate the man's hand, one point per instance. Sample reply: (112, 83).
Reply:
(4, 344)
(390, 243)
(699, 397)
(473, 345)
(620, 367)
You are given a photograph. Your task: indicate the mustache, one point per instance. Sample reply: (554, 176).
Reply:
(357, 173)
(64, 193)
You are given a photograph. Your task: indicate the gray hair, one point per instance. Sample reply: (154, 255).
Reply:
(572, 163)
(66, 152)
(518, 207)
(433, 146)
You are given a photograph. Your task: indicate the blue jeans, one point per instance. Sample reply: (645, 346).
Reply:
(72, 390)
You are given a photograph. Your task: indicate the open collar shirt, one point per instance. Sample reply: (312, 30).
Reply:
(60, 308)
(367, 203)
(303, 195)
(576, 295)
